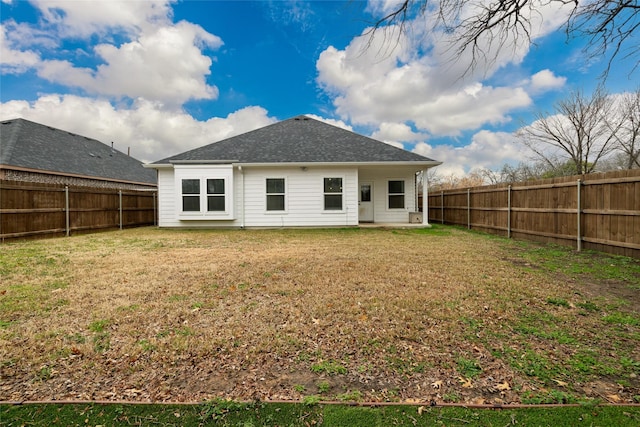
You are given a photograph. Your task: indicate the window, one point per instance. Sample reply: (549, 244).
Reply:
(275, 194)
(215, 195)
(191, 195)
(396, 194)
(204, 192)
(365, 193)
(333, 194)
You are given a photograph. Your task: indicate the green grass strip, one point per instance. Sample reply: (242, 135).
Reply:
(228, 413)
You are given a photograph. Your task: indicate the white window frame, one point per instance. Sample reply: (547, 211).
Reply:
(341, 193)
(403, 194)
(202, 173)
(267, 194)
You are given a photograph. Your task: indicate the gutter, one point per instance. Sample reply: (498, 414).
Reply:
(427, 164)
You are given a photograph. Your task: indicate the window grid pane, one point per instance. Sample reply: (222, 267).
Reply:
(333, 185)
(396, 187)
(333, 202)
(365, 193)
(275, 202)
(396, 201)
(215, 203)
(190, 186)
(215, 186)
(191, 203)
(275, 185)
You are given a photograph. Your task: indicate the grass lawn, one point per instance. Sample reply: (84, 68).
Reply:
(376, 315)
(220, 413)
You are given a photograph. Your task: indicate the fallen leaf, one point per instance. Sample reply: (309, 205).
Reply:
(478, 401)
(436, 384)
(614, 398)
(420, 410)
(504, 386)
(561, 383)
(466, 382)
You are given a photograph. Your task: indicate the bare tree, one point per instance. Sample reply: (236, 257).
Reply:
(439, 182)
(488, 27)
(624, 123)
(523, 171)
(577, 134)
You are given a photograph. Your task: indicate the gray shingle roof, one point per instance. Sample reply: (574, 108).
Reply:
(298, 140)
(30, 145)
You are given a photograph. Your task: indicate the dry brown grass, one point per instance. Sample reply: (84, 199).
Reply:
(166, 315)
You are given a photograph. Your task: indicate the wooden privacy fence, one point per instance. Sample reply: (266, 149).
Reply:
(596, 211)
(28, 209)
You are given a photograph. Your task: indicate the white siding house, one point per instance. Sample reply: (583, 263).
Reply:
(299, 172)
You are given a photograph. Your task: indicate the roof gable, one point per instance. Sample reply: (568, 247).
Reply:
(298, 140)
(31, 145)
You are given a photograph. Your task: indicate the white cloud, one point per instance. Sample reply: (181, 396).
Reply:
(369, 90)
(546, 80)
(490, 150)
(165, 65)
(333, 122)
(13, 61)
(151, 132)
(157, 60)
(396, 133)
(82, 18)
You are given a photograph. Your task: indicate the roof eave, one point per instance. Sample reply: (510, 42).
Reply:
(426, 163)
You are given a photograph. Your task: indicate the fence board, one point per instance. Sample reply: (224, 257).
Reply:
(36, 210)
(547, 210)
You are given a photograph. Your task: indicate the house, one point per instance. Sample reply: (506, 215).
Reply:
(299, 172)
(34, 152)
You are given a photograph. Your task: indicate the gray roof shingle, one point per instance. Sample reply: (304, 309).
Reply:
(31, 145)
(300, 139)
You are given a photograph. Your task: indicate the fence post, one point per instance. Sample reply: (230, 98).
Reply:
(442, 205)
(579, 209)
(66, 210)
(509, 211)
(468, 209)
(154, 209)
(120, 206)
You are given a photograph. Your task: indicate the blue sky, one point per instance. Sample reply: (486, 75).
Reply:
(162, 77)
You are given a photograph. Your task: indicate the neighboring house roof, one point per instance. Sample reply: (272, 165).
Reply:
(39, 148)
(298, 140)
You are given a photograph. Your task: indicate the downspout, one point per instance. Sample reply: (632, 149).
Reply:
(242, 197)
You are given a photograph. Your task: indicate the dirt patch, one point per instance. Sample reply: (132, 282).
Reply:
(378, 315)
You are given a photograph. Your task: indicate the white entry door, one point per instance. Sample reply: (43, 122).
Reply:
(365, 202)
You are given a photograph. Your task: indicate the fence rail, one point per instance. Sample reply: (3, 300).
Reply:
(37, 210)
(597, 211)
